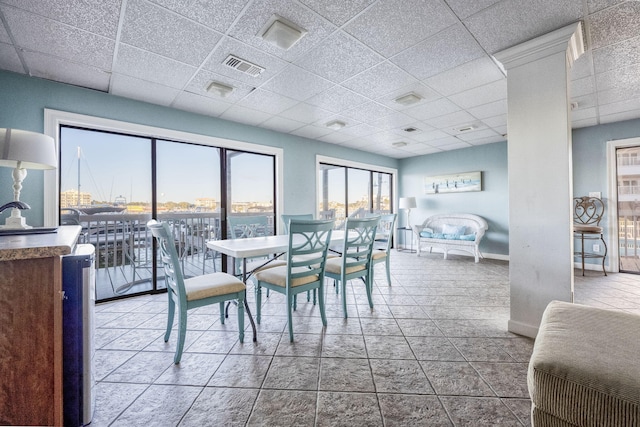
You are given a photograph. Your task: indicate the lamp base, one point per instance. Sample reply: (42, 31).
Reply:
(15, 221)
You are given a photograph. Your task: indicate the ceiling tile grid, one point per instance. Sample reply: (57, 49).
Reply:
(356, 58)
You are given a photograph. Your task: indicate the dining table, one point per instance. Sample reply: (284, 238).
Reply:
(251, 247)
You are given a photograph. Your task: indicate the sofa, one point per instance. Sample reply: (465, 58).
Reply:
(454, 231)
(585, 367)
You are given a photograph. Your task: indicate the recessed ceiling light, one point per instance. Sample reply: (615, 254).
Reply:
(220, 89)
(408, 99)
(335, 124)
(399, 144)
(466, 128)
(281, 32)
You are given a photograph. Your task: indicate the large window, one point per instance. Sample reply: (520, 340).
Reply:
(346, 191)
(112, 183)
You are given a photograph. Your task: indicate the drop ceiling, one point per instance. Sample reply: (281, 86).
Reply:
(355, 59)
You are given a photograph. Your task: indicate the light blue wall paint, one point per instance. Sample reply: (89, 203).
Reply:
(491, 203)
(590, 163)
(25, 98)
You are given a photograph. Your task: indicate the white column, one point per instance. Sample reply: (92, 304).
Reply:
(540, 173)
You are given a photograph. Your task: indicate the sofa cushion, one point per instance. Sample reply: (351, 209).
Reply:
(458, 230)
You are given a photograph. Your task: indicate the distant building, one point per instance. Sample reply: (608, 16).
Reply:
(207, 203)
(69, 199)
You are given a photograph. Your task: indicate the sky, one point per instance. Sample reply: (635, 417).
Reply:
(114, 165)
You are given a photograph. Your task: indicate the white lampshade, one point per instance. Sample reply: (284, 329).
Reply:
(407, 203)
(31, 150)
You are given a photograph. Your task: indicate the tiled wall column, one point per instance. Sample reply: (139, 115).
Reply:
(540, 173)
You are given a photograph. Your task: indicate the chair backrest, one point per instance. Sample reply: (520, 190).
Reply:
(308, 244)
(587, 210)
(358, 242)
(287, 218)
(384, 233)
(170, 260)
(241, 227)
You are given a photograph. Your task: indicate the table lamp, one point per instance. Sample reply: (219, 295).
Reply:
(407, 203)
(22, 150)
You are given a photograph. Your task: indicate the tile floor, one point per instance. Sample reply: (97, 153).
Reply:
(433, 351)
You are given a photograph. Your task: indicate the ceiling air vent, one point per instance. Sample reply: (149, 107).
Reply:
(411, 129)
(244, 66)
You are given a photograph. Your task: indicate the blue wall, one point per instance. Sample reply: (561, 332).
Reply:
(25, 98)
(491, 203)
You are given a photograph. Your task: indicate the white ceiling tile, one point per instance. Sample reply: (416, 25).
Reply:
(281, 124)
(336, 137)
(358, 143)
(306, 113)
(576, 124)
(56, 39)
(618, 55)
(201, 81)
(41, 65)
(596, 5)
(481, 95)
(339, 57)
(582, 67)
(421, 149)
(457, 146)
(465, 8)
(620, 107)
(392, 121)
(245, 115)
(199, 104)
(158, 30)
(584, 113)
(443, 142)
(258, 14)
(337, 11)
(495, 122)
(581, 87)
(487, 140)
(268, 102)
(9, 59)
(272, 64)
(226, 11)
(431, 109)
(443, 51)
(390, 26)
(380, 80)
(359, 130)
(618, 117)
(466, 76)
(512, 22)
(615, 24)
(369, 112)
(98, 17)
(620, 78)
(131, 87)
(4, 36)
(616, 95)
(429, 135)
(149, 66)
(337, 99)
(297, 83)
(585, 101)
(385, 137)
(311, 131)
(449, 121)
(477, 135)
(489, 110)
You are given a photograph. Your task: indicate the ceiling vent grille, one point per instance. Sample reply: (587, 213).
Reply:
(243, 66)
(411, 129)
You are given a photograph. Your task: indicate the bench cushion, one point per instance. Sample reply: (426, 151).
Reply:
(585, 367)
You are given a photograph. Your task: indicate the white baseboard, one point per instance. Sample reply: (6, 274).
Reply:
(522, 329)
(499, 257)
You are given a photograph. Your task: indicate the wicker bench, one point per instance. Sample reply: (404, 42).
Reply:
(439, 231)
(585, 367)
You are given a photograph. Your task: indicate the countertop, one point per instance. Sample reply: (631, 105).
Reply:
(28, 246)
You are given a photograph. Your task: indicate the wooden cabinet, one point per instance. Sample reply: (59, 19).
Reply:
(31, 326)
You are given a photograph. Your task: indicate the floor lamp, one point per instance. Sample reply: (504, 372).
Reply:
(22, 150)
(407, 203)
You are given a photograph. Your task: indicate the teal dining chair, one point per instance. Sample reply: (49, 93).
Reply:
(382, 243)
(186, 294)
(288, 217)
(305, 269)
(355, 261)
(242, 227)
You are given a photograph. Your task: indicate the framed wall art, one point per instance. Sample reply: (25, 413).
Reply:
(453, 183)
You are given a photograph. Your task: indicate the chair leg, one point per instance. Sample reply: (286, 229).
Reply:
(388, 270)
(314, 297)
(309, 296)
(241, 297)
(170, 317)
(604, 244)
(323, 315)
(368, 284)
(258, 302)
(182, 331)
(290, 302)
(295, 302)
(222, 314)
(344, 296)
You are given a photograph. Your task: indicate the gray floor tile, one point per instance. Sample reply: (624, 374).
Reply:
(401, 410)
(400, 376)
(221, 406)
(479, 411)
(337, 409)
(293, 373)
(284, 408)
(341, 374)
(456, 379)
